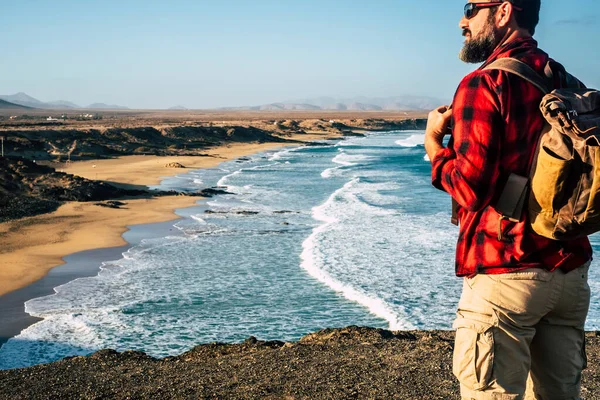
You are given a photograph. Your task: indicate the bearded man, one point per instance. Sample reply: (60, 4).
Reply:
(525, 298)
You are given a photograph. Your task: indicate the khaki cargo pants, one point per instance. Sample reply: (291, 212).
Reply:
(526, 323)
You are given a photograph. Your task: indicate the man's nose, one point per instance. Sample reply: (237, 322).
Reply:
(463, 23)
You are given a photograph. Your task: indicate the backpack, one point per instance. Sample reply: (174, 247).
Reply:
(562, 192)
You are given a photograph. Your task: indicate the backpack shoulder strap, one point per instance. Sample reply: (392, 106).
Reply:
(520, 69)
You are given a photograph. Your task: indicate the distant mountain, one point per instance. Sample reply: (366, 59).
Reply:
(288, 107)
(63, 104)
(103, 106)
(336, 106)
(5, 105)
(23, 100)
(364, 107)
(396, 103)
(178, 108)
(28, 101)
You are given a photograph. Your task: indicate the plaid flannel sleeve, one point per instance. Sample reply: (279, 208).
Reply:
(468, 169)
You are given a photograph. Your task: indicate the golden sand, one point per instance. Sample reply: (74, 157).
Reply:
(33, 246)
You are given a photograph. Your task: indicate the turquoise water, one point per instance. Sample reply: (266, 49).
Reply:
(346, 233)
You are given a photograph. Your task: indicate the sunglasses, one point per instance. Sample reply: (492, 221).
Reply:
(471, 8)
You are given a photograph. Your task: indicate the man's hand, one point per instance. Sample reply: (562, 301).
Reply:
(437, 127)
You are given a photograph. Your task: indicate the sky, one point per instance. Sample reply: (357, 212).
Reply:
(207, 53)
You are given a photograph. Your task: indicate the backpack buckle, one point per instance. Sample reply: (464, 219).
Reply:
(572, 114)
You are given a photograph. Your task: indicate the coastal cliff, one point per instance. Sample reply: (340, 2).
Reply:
(30, 183)
(344, 363)
(72, 142)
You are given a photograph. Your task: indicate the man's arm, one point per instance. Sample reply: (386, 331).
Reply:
(468, 170)
(437, 127)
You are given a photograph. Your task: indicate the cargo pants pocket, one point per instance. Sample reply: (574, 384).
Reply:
(473, 357)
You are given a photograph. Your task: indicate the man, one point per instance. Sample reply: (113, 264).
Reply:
(525, 298)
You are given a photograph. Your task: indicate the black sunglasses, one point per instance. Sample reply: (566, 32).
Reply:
(471, 8)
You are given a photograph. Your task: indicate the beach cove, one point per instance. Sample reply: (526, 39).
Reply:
(33, 246)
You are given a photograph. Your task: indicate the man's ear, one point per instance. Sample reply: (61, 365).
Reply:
(504, 14)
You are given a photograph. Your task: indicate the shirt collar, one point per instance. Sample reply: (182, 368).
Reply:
(512, 49)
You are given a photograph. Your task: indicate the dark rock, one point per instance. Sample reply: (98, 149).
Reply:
(28, 188)
(210, 192)
(174, 165)
(111, 204)
(353, 134)
(347, 363)
(45, 144)
(234, 212)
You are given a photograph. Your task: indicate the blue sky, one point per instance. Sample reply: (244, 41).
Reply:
(203, 53)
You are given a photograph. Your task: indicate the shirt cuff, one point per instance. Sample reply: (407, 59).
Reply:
(437, 166)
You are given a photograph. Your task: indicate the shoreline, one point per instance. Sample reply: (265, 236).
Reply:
(45, 242)
(14, 319)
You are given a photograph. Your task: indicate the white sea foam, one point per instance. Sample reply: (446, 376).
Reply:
(352, 141)
(313, 254)
(330, 172)
(346, 159)
(198, 219)
(284, 153)
(223, 181)
(412, 141)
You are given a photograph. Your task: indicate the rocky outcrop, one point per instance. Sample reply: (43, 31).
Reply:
(78, 144)
(56, 143)
(375, 124)
(27, 189)
(347, 363)
(174, 165)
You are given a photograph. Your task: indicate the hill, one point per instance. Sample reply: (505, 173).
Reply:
(23, 99)
(27, 188)
(362, 103)
(26, 100)
(9, 106)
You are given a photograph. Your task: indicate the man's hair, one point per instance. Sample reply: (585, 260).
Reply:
(530, 16)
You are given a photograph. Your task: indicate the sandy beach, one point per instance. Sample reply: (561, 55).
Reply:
(33, 246)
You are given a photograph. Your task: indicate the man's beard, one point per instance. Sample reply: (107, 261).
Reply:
(478, 49)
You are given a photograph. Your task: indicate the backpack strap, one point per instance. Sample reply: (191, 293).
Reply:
(522, 70)
(511, 201)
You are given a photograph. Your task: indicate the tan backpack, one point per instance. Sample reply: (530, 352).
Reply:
(563, 187)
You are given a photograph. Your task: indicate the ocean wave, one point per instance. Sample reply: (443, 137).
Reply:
(412, 141)
(312, 259)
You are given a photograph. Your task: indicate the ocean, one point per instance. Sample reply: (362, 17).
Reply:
(344, 232)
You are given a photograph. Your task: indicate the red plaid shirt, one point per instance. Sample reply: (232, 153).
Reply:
(496, 126)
